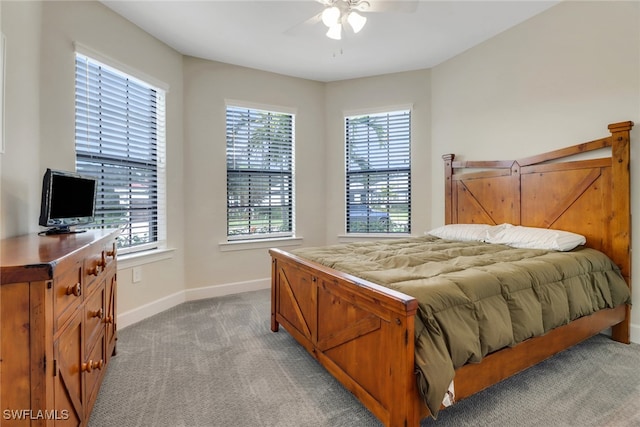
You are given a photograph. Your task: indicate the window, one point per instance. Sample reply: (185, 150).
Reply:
(378, 158)
(120, 140)
(259, 174)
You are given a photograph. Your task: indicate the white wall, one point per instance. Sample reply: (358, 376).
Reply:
(207, 85)
(21, 181)
(211, 268)
(557, 79)
(39, 108)
(100, 29)
(380, 92)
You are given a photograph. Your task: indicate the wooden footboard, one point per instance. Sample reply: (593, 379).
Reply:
(362, 333)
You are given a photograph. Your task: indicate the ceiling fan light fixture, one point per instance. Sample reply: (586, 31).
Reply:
(356, 21)
(335, 32)
(331, 16)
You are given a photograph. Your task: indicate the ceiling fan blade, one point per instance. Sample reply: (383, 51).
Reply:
(402, 6)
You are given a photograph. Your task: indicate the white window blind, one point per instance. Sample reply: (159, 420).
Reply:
(259, 174)
(378, 163)
(120, 140)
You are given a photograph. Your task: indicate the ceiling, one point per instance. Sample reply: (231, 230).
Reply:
(274, 35)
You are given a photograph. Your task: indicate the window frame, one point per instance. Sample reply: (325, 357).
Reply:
(243, 239)
(370, 228)
(159, 136)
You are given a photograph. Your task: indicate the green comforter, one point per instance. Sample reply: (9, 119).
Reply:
(475, 298)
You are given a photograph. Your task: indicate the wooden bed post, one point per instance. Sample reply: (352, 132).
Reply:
(275, 326)
(516, 191)
(448, 187)
(621, 219)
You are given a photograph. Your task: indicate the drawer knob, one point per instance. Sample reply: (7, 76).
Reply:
(108, 319)
(99, 313)
(91, 365)
(74, 290)
(96, 270)
(111, 254)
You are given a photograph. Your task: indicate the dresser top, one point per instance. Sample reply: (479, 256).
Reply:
(43, 252)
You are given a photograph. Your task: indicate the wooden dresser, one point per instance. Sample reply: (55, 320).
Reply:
(57, 325)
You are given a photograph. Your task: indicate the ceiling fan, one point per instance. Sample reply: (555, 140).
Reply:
(340, 14)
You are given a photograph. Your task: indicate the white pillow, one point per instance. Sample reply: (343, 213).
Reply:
(519, 236)
(463, 232)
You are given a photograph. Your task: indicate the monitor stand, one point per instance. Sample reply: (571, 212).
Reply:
(61, 230)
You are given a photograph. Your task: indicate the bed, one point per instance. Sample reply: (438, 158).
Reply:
(364, 333)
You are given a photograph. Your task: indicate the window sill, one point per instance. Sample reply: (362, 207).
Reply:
(371, 236)
(144, 257)
(241, 245)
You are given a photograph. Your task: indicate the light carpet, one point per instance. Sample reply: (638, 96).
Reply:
(215, 362)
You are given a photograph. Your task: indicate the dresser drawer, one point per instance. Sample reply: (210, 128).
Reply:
(94, 313)
(93, 368)
(94, 265)
(68, 292)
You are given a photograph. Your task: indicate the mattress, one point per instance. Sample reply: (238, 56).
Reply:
(475, 298)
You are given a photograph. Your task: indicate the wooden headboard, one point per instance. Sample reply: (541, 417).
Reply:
(552, 190)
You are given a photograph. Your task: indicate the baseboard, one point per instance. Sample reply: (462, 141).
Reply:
(226, 289)
(147, 310)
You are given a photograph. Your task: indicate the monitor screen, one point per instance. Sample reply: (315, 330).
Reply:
(68, 199)
(71, 197)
